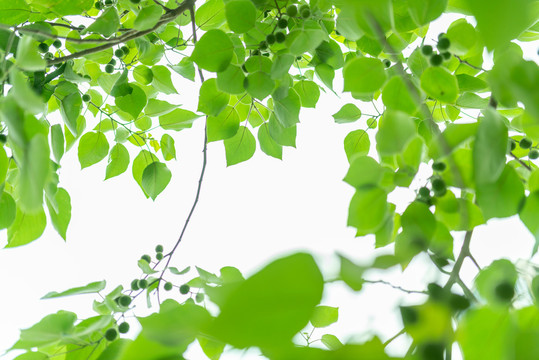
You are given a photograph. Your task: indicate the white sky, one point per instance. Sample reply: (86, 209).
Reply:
(248, 214)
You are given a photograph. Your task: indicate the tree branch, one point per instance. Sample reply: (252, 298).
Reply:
(464, 252)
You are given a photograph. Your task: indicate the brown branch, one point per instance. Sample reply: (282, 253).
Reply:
(165, 19)
(520, 161)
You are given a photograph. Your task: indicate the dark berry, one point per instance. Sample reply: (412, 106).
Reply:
(436, 292)
(505, 291)
(108, 2)
(438, 166)
(270, 39)
(86, 97)
(387, 63)
(426, 50)
(306, 13)
(458, 302)
(134, 285)
(282, 23)
(436, 60)
(159, 256)
(280, 37)
(81, 27)
(525, 143)
(199, 297)
(125, 49)
(255, 52)
(446, 55)
(42, 47)
(291, 10)
(57, 43)
(533, 154)
(159, 248)
(432, 351)
(143, 283)
(109, 68)
(123, 328)
(424, 192)
(135, 1)
(98, 5)
(118, 53)
(3, 138)
(111, 334)
(184, 289)
(263, 45)
(512, 144)
(147, 258)
(438, 186)
(443, 43)
(409, 315)
(168, 286)
(124, 300)
(112, 61)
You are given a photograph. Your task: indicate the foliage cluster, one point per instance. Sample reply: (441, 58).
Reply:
(475, 125)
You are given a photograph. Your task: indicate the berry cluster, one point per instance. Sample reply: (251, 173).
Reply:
(437, 58)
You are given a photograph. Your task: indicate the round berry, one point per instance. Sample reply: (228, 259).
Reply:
(143, 283)
(111, 334)
(112, 61)
(446, 55)
(282, 23)
(108, 2)
(42, 47)
(98, 5)
(504, 291)
(123, 328)
(458, 302)
(436, 60)
(512, 144)
(57, 43)
(125, 49)
(168, 286)
(438, 166)
(291, 10)
(306, 13)
(159, 256)
(81, 27)
(134, 285)
(426, 50)
(304, 7)
(135, 1)
(118, 53)
(436, 292)
(438, 185)
(86, 97)
(424, 192)
(255, 52)
(199, 297)
(147, 258)
(270, 39)
(49, 55)
(280, 37)
(263, 45)
(109, 68)
(533, 154)
(184, 289)
(3, 138)
(443, 43)
(159, 248)
(387, 63)
(124, 300)
(525, 143)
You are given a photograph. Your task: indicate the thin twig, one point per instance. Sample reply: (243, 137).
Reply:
(464, 252)
(383, 282)
(520, 161)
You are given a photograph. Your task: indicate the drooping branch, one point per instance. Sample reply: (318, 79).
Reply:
(165, 19)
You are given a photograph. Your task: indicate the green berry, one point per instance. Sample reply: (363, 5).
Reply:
(108, 2)
(255, 52)
(525, 143)
(458, 302)
(426, 50)
(159, 256)
(3, 138)
(387, 63)
(124, 300)
(291, 10)
(533, 154)
(86, 97)
(42, 47)
(409, 315)
(112, 61)
(438, 166)
(98, 5)
(125, 49)
(436, 292)
(57, 43)
(199, 297)
(306, 13)
(143, 283)
(270, 39)
(159, 248)
(109, 68)
(280, 37)
(512, 144)
(119, 53)
(443, 43)
(147, 258)
(436, 60)
(446, 55)
(304, 7)
(123, 328)
(111, 334)
(135, 1)
(168, 286)
(263, 45)
(431, 351)
(424, 192)
(184, 289)
(282, 23)
(244, 68)
(134, 285)
(81, 27)
(504, 291)
(441, 35)
(438, 185)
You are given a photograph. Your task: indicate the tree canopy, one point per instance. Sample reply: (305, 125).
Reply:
(456, 122)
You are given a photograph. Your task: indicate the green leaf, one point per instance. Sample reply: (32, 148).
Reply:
(351, 274)
(364, 171)
(34, 173)
(368, 209)
(282, 136)
(211, 348)
(307, 39)
(324, 316)
(308, 92)
(158, 107)
(326, 74)
(425, 11)
(211, 101)
(259, 84)
(106, 24)
(162, 79)
(49, 331)
(145, 267)
(240, 147)
(91, 288)
(118, 161)
(223, 126)
(287, 109)
(440, 84)
(8, 210)
(270, 307)
(28, 57)
(57, 142)
(490, 148)
(132, 103)
(70, 108)
(143, 75)
(148, 17)
(210, 15)
(26, 228)
(501, 270)
(93, 147)
(331, 342)
(167, 147)
(60, 212)
(24, 95)
(281, 65)
(356, 142)
(462, 35)
(395, 130)
(529, 215)
(185, 68)
(231, 80)
(175, 271)
(418, 221)
(240, 15)
(364, 75)
(417, 62)
(213, 52)
(503, 197)
(121, 85)
(396, 96)
(472, 101)
(267, 144)
(155, 179)
(458, 214)
(348, 113)
(177, 119)
(143, 159)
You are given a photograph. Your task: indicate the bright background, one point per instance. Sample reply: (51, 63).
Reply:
(248, 214)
